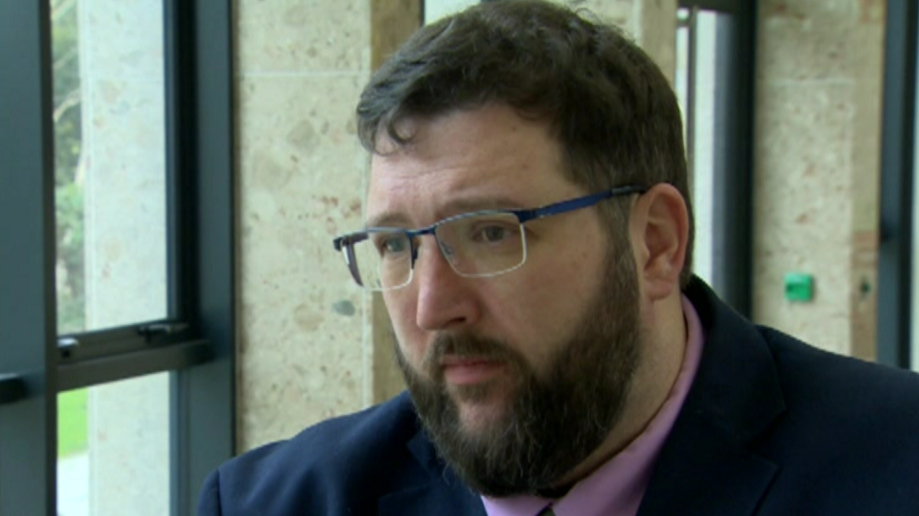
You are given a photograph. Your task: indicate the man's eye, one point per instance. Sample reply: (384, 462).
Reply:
(492, 234)
(392, 245)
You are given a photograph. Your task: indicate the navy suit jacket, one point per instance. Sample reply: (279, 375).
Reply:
(771, 426)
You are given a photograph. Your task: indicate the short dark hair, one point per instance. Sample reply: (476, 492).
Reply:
(610, 107)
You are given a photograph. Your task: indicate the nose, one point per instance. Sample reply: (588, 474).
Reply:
(445, 300)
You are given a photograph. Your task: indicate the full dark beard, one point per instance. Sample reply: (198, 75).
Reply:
(555, 418)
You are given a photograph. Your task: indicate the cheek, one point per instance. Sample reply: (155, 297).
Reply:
(400, 310)
(537, 308)
(559, 285)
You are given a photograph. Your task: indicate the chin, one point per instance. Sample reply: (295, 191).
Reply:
(483, 415)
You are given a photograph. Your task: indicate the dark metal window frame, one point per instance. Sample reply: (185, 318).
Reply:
(732, 212)
(898, 126)
(197, 343)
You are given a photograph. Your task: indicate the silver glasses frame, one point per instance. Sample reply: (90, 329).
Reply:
(344, 243)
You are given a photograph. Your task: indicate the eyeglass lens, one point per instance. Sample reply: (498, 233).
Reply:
(477, 245)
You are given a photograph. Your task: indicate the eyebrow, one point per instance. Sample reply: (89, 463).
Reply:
(452, 208)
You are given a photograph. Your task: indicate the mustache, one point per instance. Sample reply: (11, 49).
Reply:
(466, 345)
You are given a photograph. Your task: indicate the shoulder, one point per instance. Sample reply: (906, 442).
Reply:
(848, 432)
(325, 469)
(812, 375)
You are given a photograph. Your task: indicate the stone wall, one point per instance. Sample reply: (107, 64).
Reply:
(817, 163)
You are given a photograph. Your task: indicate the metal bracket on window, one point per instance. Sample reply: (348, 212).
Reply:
(12, 389)
(66, 345)
(152, 330)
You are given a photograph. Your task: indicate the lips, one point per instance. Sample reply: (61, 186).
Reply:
(469, 370)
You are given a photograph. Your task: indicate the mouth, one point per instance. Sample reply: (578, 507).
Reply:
(469, 370)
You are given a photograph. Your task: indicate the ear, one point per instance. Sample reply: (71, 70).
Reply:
(659, 228)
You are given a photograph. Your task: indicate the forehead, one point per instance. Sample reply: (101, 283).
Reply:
(488, 157)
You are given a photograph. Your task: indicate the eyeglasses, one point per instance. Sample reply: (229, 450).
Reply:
(479, 244)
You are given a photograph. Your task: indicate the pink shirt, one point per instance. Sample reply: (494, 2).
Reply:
(617, 487)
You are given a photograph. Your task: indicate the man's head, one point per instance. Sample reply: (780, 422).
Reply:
(521, 377)
(608, 105)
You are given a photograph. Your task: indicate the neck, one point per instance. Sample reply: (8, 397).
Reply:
(663, 346)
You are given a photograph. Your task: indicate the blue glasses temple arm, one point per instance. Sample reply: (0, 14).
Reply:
(522, 215)
(575, 204)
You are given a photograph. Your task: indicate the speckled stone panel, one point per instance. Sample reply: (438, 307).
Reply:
(652, 24)
(803, 209)
(655, 30)
(817, 167)
(868, 55)
(302, 356)
(291, 36)
(618, 12)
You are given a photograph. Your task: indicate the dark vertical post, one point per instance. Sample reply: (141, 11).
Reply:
(733, 156)
(28, 326)
(897, 165)
(202, 420)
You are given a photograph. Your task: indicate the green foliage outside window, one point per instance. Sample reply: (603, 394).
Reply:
(68, 181)
(68, 193)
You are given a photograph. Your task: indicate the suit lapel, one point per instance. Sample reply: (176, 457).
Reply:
(702, 472)
(707, 465)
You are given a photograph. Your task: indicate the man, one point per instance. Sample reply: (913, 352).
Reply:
(529, 226)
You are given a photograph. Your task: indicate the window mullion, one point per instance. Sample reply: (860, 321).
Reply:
(28, 327)
(200, 136)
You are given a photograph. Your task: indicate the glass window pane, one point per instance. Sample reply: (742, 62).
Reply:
(113, 448)
(109, 119)
(701, 125)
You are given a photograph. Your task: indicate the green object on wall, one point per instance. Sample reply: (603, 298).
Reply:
(799, 287)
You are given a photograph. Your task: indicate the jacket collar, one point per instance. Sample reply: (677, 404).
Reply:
(706, 466)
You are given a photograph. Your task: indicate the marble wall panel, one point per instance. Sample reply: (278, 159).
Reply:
(803, 214)
(868, 54)
(302, 354)
(802, 209)
(651, 23)
(655, 30)
(812, 11)
(800, 50)
(618, 12)
(291, 36)
(817, 167)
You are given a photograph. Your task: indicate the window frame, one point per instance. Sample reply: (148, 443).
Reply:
(898, 126)
(732, 213)
(196, 344)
